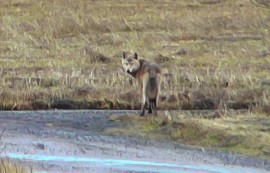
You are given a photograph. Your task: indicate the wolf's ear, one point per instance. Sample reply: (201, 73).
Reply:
(124, 54)
(135, 56)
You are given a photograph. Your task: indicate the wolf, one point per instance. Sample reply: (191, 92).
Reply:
(149, 76)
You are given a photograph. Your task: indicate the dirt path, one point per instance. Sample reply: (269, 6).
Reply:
(74, 141)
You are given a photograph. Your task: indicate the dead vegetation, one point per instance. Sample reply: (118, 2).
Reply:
(65, 54)
(7, 167)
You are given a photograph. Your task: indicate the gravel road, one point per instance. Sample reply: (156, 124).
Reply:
(74, 141)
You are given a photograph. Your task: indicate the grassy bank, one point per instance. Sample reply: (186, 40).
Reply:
(245, 134)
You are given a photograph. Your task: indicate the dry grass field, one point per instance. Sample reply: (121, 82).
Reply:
(215, 54)
(66, 54)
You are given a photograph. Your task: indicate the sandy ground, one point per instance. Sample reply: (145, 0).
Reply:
(74, 141)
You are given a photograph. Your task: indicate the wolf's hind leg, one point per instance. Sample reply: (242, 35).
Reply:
(150, 107)
(159, 81)
(154, 106)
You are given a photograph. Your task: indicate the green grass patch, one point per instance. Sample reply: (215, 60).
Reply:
(242, 134)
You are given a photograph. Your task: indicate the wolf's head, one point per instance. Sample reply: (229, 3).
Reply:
(130, 64)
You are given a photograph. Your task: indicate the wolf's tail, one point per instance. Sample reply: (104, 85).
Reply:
(152, 84)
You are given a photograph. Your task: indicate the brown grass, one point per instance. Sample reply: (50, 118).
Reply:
(7, 167)
(53, 50)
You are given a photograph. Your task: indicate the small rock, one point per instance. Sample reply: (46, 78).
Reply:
(161, 58)
(172, 99)
(181, 52)
(266, 82)
(40, 146)
(204, 103)
(266, 150)
(96, 56)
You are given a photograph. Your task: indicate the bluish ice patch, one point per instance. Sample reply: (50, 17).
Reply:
(133, 165)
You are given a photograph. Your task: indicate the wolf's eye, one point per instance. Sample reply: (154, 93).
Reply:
(126, 63)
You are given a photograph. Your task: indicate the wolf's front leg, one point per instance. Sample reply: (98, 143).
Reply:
(143, 104)
(143, 101)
